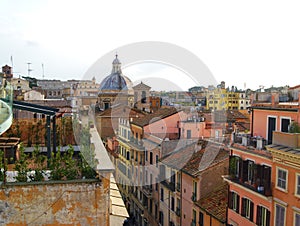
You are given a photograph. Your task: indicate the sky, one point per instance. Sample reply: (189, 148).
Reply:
(244, 43)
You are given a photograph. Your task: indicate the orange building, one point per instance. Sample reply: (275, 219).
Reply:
(274, 116)
(286, 178)
(250, 191)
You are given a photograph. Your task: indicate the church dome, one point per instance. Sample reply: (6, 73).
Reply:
(116, 81)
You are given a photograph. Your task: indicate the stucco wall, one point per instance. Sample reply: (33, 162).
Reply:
(82, 202)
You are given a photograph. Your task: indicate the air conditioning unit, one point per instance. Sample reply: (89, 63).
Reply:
(259, 144)
(244, 141)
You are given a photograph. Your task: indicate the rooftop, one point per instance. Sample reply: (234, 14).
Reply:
(196, 157)
(156, 116)
(215, 203)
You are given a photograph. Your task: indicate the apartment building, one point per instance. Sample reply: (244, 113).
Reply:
(286, 178)
(249, 180)
(190, 173)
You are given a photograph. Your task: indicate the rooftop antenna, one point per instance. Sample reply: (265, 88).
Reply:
(29, 69)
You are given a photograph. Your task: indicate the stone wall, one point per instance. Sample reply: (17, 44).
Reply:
(80, 202)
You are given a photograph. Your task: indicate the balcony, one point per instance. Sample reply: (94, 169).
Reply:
(136, 144)
(147, 190)
(5, 108)
(250, 175)
(169, 185)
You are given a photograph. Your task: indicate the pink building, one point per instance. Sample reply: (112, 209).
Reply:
(196, 170)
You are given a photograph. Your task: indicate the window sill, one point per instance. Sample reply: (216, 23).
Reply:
(281, 189)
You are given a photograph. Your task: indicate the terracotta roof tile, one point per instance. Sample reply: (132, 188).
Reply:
(196, 157)
(159, 114)
(215, 203)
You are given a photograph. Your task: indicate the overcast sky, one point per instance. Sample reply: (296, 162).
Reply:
(252, 42)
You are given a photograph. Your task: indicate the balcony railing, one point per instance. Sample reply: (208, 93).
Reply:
(136, 143)
(169, 185)
(5, 107)
(248, 174)
(147, 190)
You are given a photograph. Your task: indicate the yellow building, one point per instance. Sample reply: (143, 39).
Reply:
(221, 99)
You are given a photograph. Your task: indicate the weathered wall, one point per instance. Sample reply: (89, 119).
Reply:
(82, 202)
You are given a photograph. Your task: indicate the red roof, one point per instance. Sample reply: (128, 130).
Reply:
(156, 116)
(196, 157)
(215, 203)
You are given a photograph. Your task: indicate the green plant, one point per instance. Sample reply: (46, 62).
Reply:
(55, 166)
(39, 164)
(2, 165)
(21, 166)
(70, 164)
(294, 128)
(64, 166)
(87, 154)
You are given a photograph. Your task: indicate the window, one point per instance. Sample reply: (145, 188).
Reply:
(156, 160)
(279, 215)
(247, 208)
(194, 195)
(188, 134)
(194, 218)
(151, 157)
(285, 122)
(146, 176)
(151, 206)
(172, 203)
(201, 219)
(235, 166)
(250, 171)
(297, 219)
(281, 179)
(178, 204)
(262, 216)
(161, 218)
(146, 155)
(297, 192)
(144, 100)
(161, 194)
(234, 201)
